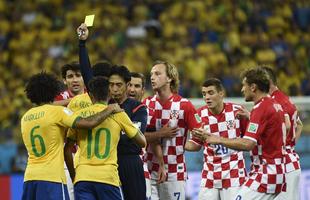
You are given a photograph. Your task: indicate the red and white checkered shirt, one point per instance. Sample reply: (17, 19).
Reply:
(266, 128)
(64, 95)
(291, 157)
(145, 169)
(223, 167)
(176, 111)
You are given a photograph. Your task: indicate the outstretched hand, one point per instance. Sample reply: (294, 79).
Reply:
(82, 32)
(243, 113)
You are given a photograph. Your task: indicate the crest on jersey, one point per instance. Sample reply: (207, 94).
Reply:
(174, 114)
(231, 124)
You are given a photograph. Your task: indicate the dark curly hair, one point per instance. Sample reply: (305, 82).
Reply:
(98, 87)
(74, 66)
(102, 69)
(257, 76)
(122, 71)
(42, 88)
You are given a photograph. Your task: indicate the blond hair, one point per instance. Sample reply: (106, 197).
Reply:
(172, 73)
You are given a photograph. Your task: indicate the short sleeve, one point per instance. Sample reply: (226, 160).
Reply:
(256, 125)
(126, 124)
(67, 117)
(192, 119)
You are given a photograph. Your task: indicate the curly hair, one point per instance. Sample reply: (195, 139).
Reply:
(258, 76)
(42, 88)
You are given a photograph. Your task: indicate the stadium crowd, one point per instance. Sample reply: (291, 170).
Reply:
(202, 38)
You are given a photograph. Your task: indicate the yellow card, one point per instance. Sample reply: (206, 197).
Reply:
(89, 20)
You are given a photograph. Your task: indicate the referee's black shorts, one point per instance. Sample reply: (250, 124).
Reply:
(130, 170)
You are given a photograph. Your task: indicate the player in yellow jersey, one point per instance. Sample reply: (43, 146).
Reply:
(96, 173)
(43, 131)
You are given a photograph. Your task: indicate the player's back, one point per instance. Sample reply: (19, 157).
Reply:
(98, 147)
(43, 132)
(79, 102)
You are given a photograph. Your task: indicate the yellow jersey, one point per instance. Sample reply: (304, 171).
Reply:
(79, 102)
(43, 131)
(98, 147)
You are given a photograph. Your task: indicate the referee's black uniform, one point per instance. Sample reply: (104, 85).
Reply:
(130, 165)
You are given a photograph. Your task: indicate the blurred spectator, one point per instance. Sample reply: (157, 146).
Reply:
(19, 161)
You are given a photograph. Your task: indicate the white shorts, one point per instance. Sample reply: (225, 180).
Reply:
(246, 193)
(69, 184)
(148, 188)
(172, 190)
(292, 186)
(218, 194)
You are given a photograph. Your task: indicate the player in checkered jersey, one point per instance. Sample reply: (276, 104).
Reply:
(224, 169)
(167, 108)
(264, 138)
(72, 78)
(292, 165)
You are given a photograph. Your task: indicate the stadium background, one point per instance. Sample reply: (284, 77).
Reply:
(202, 38)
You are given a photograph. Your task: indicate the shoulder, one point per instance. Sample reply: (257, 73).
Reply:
(202, 109)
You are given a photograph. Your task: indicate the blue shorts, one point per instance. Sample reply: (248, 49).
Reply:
(46, 190)
(87, 190)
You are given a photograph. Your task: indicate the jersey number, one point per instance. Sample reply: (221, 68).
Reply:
(33, 139)
(97, 143)
(220, 149)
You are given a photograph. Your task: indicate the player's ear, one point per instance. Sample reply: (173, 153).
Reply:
(65, 82)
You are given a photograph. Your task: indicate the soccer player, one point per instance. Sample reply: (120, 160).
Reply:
(83, 100)
(292, 164)
(96, 173)
(224, 169)
(263, 138)
(43, 132)
(73, 79)
(167, 108)
(136, 86)
(130, 165)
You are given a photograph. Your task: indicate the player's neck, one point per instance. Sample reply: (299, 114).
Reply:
(164, 94)
(218, 109)
(273, 88)
(259, 95)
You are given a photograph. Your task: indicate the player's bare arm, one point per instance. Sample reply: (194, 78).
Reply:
(299, 128)
(96, 119)
(240, 144)
(69, 159)
(158, 152)
(64, 102)
(164, 132)
(139, 139)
